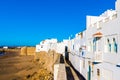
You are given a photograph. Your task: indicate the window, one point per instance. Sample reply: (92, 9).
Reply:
(114, 46)
(108, 45)
(73, 47)
(111, 44)
(80, 49)
(41, 46)
(98, 72)
(94, 44)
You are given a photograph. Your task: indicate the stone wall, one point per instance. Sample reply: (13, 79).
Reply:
(27, 51)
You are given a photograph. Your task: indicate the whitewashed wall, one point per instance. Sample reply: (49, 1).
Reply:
(37, 48)
(47, 45)
(75, 55)
(60, 48)
(110, 29)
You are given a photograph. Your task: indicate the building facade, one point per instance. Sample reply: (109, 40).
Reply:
(102, 41)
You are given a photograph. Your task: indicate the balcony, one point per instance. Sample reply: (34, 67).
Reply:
(97, 57)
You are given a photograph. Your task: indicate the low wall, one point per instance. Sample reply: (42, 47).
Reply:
(59, 72)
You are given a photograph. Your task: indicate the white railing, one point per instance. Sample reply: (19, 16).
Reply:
(98, 57)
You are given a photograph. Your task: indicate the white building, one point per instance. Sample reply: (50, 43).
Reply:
(77, 51)
(5, 47)
(103, 41)
(48, 44)
(52, 44)
(61, 46)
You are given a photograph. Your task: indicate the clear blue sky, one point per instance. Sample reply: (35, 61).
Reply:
(27, 22)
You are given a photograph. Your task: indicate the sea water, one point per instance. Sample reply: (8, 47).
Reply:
(2, 53)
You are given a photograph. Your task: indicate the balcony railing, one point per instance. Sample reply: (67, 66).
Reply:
(98, 57)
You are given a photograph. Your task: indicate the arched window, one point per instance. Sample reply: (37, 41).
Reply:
(114, 45)
(108, 45)
(94, 44)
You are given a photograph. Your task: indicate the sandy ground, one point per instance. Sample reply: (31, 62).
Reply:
(16, 67)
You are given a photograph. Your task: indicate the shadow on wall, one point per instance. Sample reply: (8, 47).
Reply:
(78, 74)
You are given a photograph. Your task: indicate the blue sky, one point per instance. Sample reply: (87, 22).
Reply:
(27, 22)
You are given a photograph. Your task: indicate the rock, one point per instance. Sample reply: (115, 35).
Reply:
(28, 76)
